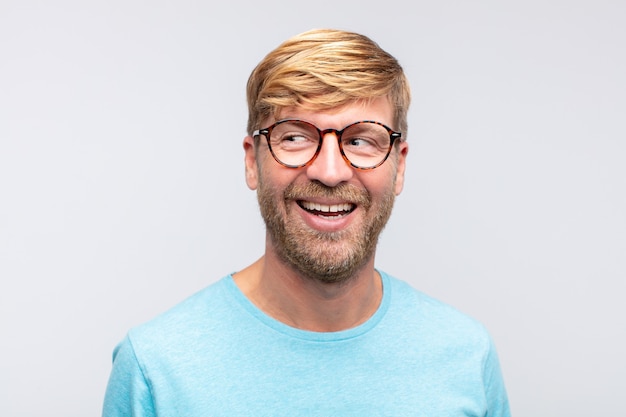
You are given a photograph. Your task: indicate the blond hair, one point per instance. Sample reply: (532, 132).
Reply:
(323, 69)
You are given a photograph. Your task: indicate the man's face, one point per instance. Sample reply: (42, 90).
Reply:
(324, 219)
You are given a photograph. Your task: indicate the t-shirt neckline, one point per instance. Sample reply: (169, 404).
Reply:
(290, 331)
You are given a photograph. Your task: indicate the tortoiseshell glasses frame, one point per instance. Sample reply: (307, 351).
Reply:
(364, 145)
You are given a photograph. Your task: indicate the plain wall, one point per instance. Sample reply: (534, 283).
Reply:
(122, 189)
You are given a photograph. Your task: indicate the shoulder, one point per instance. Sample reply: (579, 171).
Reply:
(419, 312)
(201, 311)
(450, 339)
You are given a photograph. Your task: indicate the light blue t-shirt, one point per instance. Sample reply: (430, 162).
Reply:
(216, 354)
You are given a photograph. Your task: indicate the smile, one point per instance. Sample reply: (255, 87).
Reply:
(326, 209)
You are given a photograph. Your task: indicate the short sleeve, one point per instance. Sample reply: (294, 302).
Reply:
(495, 391)
(128, 393)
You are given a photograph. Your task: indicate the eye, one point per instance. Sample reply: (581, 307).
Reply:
(358, 142)
(365, 138)
(295, 138)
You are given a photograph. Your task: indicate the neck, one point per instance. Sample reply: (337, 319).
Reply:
(309, 304)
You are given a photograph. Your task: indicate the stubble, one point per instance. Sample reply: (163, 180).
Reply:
(328, 257)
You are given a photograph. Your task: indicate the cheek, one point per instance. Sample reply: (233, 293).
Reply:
(380, 184)
(274, 179)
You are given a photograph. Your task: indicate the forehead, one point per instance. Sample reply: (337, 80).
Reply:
(379, 110)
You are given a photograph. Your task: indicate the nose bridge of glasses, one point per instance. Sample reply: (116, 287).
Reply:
(330, 165)
(335, 132)
(334, 145)
(331, 149)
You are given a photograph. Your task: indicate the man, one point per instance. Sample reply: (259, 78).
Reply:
(312, 328)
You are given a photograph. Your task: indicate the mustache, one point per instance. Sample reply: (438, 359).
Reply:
(342, 192)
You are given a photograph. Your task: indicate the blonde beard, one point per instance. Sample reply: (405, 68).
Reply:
(329, 257)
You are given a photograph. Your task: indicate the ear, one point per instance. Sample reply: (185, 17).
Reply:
(403, 150)
(250, 160)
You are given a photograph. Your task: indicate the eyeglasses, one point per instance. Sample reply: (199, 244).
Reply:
(296, 143)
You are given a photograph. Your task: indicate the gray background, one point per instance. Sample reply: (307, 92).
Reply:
(122, 188)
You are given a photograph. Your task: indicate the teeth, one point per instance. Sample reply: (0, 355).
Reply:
(335, 208)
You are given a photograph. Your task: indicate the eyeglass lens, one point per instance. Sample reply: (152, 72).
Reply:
(365, 144)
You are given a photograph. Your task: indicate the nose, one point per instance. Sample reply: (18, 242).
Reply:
(330, 168)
